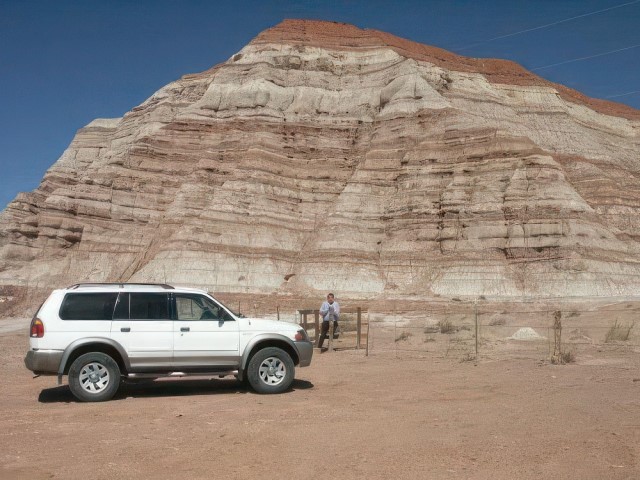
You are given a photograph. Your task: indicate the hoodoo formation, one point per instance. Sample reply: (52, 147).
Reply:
(325, 157)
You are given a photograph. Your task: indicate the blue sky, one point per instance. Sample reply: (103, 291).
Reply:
(65, 62)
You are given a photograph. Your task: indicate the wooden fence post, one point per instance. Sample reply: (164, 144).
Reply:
(368, 324)
(358, 328)
(475, 313)
(316, 314)
(331, 322)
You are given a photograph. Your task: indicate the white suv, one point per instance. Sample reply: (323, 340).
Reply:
(99, 333)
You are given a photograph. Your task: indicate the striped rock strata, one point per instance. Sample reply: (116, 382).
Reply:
(325, 157)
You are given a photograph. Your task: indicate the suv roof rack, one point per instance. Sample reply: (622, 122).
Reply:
(120, 284)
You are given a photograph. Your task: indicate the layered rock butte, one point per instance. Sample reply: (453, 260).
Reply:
(325, 157)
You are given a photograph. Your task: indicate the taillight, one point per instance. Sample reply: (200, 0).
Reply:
(301, 335)
(37, 328)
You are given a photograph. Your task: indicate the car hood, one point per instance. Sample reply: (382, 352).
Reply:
(262, 324)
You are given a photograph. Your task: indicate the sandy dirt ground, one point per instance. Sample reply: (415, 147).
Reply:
(348, 416)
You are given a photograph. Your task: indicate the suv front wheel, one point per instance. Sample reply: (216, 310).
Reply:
(94, 377)
(271, 370)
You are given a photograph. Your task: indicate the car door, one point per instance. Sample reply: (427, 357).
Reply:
(142, 324)
(205, 335)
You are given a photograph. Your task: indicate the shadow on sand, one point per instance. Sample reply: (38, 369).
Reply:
(165, 388)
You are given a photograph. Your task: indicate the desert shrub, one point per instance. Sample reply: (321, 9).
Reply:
(565, 357)
(429, 339)
(468, 357)
(497, 322)
(446, 326)
(619, 332)
(404, 336)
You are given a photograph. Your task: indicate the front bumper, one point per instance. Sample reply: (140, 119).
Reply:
(305, 352)
(43, 362)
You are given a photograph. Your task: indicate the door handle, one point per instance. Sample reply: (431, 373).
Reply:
(125, 329)
(184, 329)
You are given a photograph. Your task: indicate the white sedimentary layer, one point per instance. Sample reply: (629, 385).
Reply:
(360, 171)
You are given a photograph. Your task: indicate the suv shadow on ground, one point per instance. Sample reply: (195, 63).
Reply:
(165, 388)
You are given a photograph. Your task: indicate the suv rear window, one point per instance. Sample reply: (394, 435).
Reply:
(88, 306)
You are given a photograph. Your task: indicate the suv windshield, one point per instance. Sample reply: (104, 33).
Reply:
(237, 314)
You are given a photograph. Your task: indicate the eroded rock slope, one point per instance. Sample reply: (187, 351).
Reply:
(326, 157)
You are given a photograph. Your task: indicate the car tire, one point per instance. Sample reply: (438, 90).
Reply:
(271, 370)
(94, 377)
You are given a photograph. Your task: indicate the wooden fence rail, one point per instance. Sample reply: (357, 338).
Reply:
(304, 323)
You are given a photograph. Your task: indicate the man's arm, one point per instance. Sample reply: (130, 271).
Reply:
(336, 309)
(324, 308)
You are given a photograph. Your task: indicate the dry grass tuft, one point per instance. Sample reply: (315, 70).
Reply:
(404, 336)
(619, 332)
(446, 326)
(468, 357)
(564, 358)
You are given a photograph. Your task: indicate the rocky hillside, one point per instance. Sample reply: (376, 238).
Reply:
(325, 157)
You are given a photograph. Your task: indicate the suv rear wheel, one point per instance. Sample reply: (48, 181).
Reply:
(94, 377)
(271, 370)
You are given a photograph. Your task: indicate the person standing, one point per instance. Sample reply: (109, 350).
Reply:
(329, 311)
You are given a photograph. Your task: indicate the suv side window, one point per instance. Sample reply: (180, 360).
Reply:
(199, 307)
(149, 306)
(88, 306)
(122, 307)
